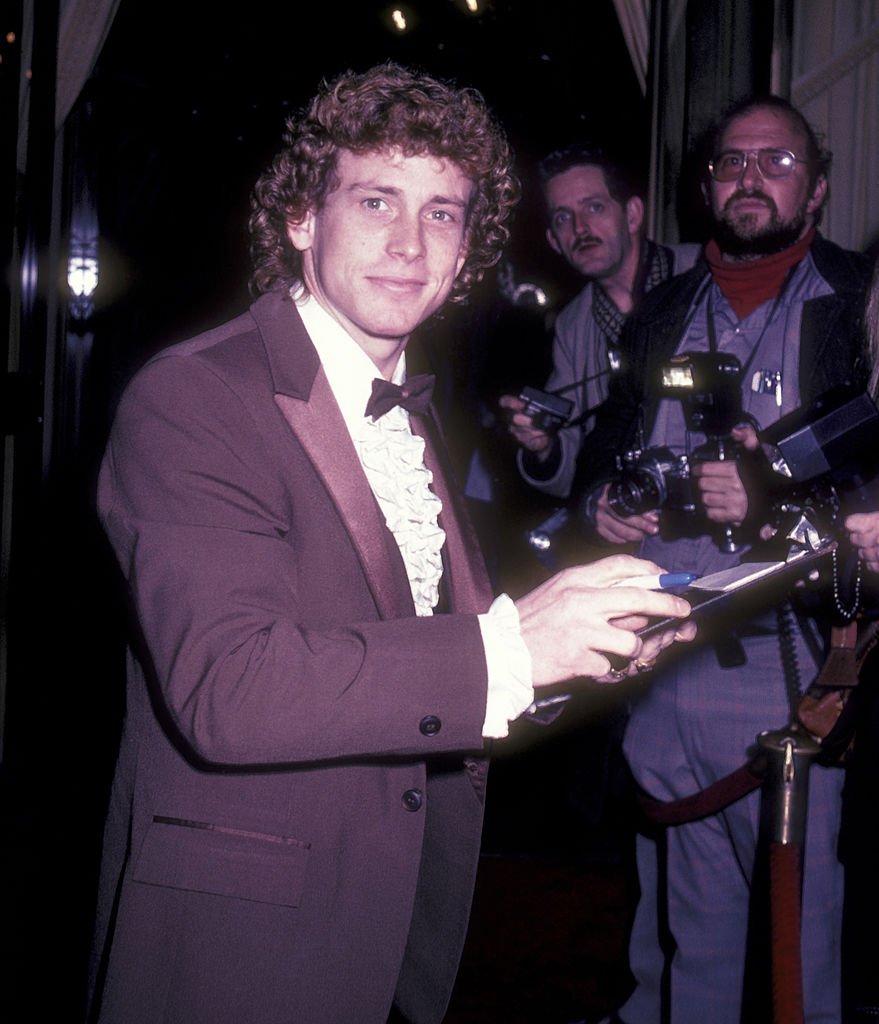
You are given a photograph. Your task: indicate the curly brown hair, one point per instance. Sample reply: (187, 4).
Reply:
(388, 107)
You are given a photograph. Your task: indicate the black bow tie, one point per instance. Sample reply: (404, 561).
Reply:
(413, 396)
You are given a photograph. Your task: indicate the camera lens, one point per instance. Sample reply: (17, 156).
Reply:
(652, 479)
(633, 495)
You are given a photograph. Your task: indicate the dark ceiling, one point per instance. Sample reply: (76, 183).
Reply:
(188, 102)
(548, 66)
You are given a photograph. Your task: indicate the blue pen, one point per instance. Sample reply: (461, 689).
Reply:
(661, 581)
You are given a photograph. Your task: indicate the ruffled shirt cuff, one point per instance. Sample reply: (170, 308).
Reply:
(510, 686)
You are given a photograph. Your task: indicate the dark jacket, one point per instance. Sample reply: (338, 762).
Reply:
(831, 351)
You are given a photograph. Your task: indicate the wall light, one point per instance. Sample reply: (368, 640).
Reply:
(82, 280)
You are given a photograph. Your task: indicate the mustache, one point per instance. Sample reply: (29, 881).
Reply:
(585, 240)
(757, 194)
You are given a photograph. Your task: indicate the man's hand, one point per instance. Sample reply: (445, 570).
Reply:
(521, 426)
(571, 623)
(720, 483)
(863, 529)
(722, 492)
(623, 529)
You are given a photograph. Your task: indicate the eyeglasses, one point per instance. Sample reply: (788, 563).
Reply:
(772, 163)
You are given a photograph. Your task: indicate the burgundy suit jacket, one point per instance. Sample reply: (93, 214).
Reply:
(295, 819)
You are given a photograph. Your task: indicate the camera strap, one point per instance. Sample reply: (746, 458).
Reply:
(712, 326)
(826, 709)
(784, 617)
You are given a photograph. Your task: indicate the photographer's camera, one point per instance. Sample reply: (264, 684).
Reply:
(708, 386)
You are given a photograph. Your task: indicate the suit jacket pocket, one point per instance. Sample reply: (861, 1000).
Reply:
(204, 857)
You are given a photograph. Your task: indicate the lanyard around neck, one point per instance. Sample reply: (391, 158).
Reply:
(712, 327)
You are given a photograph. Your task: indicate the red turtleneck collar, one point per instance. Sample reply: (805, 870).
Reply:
(747, 284)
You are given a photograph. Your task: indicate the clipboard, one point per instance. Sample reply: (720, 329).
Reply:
(745, 589)
(732, 595)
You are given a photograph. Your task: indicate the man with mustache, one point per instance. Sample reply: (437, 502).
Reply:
(595, 210)
(787, 303)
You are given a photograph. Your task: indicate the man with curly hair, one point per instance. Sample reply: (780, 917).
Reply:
(295, 821)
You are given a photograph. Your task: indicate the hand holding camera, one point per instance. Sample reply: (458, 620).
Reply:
(620, 527)
(700, 484)
(536, 417)
(820, 470)
(723, 494)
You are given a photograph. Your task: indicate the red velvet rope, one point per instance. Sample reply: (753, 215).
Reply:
(787, 968)
(707, 801)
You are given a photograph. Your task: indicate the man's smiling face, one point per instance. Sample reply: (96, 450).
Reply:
(383, 251)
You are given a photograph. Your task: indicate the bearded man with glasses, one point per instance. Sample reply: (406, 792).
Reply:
(787, 303)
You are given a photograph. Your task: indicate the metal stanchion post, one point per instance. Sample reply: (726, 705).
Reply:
(790, 754)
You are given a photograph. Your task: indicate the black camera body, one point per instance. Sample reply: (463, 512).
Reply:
(547, 411)
(825, 459)
(652, 478)
(708, 386)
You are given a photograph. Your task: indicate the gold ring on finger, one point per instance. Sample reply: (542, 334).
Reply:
(614, 675)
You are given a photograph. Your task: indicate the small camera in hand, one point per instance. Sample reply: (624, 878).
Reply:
(548, 412)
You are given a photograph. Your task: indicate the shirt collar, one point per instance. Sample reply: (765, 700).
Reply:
(350, 372)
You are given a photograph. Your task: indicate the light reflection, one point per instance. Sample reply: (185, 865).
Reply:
(82, 279)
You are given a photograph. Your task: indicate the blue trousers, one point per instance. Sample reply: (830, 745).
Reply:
(696, 723)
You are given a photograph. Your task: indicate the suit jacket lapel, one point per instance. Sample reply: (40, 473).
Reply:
(304, 398)
(469, 588)
(319, 426)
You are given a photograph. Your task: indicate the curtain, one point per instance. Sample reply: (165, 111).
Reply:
(83, 28)
(634, 19)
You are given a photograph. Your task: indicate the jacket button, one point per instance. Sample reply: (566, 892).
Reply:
(413, 799)
(430, 725)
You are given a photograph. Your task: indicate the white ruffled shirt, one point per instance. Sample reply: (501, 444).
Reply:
(392, 457)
